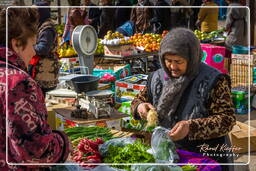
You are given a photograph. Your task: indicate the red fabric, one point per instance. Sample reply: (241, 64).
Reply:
(30, 138)
(34, 61)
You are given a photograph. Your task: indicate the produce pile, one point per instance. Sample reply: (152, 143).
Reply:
(87, 152)
(149, 42)
(76, 134)
(65, 51)
(130, 153)
(98, 145)
(209, 36)
(100, 48)
(60, 29)
(115, 38)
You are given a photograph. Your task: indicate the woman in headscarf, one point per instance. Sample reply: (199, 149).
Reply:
(192, 99)
(29, 137)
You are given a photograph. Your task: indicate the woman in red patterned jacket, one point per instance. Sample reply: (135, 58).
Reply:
(22, 107)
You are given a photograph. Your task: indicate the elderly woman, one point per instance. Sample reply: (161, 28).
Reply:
(30, 139)
(191, 98)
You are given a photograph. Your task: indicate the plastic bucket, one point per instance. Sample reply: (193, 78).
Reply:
(240, 100)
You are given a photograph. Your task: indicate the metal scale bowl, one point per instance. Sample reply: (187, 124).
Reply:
(100, 101)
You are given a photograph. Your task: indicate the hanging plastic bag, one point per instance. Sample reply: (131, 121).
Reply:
(163, 148)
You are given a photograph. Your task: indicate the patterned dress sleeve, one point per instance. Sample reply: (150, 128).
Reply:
(140, 98)
(221, 111)
(30, 138)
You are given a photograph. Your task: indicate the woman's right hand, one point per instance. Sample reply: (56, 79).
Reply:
(143, 109)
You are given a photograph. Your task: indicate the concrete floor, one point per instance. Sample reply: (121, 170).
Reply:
(244, 158)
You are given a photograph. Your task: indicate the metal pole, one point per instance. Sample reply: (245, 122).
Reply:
(253, 15)
(59, 12)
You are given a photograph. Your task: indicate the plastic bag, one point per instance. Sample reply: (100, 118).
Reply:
(120, 142)
(66, 168)
(155, 168)
(106, 168)
(163, 148)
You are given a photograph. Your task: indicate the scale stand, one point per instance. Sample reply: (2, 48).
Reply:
(84, 41)
(78, 112)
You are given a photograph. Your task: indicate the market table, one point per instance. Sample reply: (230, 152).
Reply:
(128, 59)
(113, 121)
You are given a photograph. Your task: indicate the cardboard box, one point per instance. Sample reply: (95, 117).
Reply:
(66, 121)
(118, 70)
(127, 88)
(55, 121)
(68, 64)
(120, 50)
(214, 56)
(239, 137)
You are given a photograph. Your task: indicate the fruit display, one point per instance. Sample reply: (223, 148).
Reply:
(100, 48)
(209, 36)
(60, 29)
(115, 38)
(148, 42)
(66, 51)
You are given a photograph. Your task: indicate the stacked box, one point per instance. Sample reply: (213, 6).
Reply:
(127, 88)
(118, 70)
(241, 66)
(69, 65)
(214, 56)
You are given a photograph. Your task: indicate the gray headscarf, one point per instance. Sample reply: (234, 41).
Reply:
(184, 43)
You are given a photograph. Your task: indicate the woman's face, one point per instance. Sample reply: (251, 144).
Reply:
(26, 52)
(176, 65)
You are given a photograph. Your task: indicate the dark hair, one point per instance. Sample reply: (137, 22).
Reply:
(22, 25)
(44, 13)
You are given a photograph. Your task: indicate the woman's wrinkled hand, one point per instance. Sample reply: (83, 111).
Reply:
(180, 130)
(143, 109)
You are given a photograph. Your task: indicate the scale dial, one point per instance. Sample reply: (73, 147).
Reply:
(84, 39)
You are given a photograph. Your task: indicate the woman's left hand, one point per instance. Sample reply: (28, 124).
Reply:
(179, 131)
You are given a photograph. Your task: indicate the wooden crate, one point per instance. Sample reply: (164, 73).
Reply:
(240, 67)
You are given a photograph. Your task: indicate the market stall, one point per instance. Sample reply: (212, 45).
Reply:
(97, 105)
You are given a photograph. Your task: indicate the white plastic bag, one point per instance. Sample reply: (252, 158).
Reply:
(163, 148)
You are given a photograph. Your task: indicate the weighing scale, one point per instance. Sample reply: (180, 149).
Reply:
(100, 101)
(85, 42)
